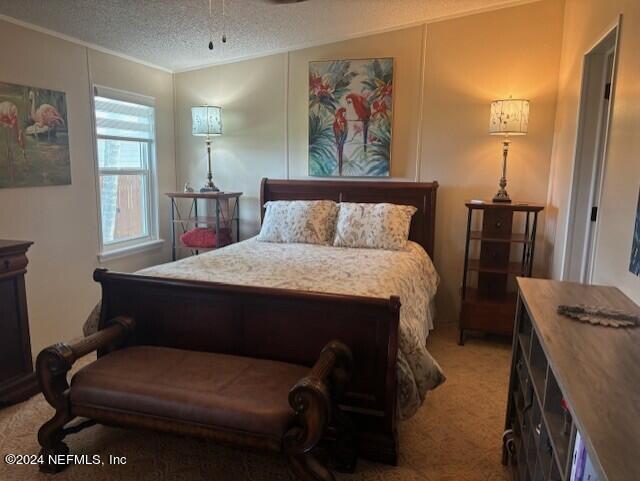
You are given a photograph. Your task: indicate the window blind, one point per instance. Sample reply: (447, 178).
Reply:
(117, 118)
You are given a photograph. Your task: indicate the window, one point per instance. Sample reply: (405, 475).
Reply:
(125, 151)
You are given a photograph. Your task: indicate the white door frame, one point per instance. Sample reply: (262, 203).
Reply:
(589, 244)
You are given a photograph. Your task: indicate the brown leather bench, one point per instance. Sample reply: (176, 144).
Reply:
(241, 401)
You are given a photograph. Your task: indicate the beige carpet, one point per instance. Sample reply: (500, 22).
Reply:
(454, 437)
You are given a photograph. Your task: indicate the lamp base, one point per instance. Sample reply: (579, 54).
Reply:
(502, 196)
(209, 186)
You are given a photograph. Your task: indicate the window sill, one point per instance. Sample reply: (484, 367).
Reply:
(130, 250)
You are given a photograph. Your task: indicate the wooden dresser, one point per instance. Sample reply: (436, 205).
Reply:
(17, 379)
(502, 249)
(569, 377)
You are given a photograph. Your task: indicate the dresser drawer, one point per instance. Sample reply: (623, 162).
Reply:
(12, 263)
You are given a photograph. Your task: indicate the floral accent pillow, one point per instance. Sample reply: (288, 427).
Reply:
(376, 226)
(300, 221)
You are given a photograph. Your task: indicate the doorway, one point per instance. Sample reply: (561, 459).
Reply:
(596, 101)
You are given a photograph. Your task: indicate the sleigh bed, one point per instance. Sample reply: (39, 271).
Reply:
(191, 304)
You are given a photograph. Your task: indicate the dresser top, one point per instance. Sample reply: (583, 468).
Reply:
(9, 246)
(597, 369)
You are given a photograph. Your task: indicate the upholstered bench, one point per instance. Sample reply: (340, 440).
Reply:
(236, 400)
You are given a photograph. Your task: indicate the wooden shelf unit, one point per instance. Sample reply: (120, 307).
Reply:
(490, 305)
(557, 359)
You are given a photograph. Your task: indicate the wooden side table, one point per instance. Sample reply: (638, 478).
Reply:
(17, 379)
(489, 305)
(221, 201)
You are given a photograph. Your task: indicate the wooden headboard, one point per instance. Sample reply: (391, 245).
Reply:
(420, 195)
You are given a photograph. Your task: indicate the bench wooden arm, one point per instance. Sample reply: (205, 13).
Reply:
(54, 362)
(313, 397)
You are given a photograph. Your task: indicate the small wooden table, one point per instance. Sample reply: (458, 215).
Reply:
(221, 201)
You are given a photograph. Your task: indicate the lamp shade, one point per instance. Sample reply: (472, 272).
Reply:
(509, 117)
(206, 120)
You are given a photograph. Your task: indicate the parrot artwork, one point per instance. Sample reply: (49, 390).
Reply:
(340, 130)
(363, 111)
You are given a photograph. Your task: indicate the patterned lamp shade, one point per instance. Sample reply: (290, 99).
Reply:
(206, 120)
(509, 117)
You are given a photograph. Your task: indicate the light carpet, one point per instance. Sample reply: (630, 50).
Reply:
(455, 436)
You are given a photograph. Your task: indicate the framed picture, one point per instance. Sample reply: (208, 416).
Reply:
(634, 265)
(34, 141)
(350, 117)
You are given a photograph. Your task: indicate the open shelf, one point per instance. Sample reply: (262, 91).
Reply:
(538, 421)
(514, 238)
(533, 416)
(524, 332)
(559, 422)
(515, 268)
(545, 453)
(472, 295)
(204, 221)
(538, 366)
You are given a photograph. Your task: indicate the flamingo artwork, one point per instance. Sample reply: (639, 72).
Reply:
(44, 116)
(363, 111)
(340, 131)
(9, 120)
(24, 160)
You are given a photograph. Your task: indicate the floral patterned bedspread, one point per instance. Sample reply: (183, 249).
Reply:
(408, 273)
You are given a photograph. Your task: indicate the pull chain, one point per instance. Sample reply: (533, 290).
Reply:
(224, 25)
(210, 28)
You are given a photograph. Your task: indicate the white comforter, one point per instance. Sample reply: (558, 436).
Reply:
(367, 272)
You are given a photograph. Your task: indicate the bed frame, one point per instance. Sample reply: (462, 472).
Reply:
(288, 325)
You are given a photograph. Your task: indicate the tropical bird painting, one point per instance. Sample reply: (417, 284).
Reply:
(34, 142)
(340, 130)
(350, 117)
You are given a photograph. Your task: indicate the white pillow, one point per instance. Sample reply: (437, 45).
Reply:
(376, 226)
(303, 221)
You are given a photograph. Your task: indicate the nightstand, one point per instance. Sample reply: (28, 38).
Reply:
(500, 251)
(226, 210)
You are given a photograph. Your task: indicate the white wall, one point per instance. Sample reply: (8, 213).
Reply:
(471, 61)
(253, 143)
(468, 62)
(63, 220)
(585, 23)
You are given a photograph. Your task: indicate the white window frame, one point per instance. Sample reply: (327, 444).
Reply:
(152, 240)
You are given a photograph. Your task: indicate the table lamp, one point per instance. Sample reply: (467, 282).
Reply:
(508, 117)
(206, 121)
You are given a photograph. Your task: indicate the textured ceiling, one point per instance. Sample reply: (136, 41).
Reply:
(174, 33)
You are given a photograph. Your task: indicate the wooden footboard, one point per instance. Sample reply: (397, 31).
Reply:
(279, 324)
